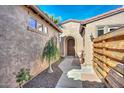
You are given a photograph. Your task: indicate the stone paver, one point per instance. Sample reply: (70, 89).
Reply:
(88, 74)
(89, 78)
(70, 75)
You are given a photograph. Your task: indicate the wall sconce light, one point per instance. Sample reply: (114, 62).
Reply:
(91, 37)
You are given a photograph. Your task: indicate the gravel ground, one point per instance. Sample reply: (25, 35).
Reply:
(44, 79)
(89, 84)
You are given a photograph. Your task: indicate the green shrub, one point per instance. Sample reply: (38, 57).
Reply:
(50, 52)
(22, 76)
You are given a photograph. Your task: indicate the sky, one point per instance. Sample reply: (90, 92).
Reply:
(78, 12)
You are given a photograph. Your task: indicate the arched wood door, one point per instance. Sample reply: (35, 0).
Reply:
(70, 46)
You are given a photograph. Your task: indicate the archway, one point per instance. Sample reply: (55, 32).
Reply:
(70, 46)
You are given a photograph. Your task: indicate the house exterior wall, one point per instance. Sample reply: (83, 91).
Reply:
(71, 29)
(20, 47)
(91, 28)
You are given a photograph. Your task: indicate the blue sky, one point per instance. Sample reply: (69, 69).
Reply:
(79, 12)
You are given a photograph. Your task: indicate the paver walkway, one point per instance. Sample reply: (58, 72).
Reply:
(75, 77)
(90, 79)
(70, 77)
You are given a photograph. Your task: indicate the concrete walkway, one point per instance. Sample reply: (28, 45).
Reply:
(71, 74)
(75, 76)
(88, 74)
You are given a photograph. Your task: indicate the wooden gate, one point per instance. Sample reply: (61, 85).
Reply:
(108, 58)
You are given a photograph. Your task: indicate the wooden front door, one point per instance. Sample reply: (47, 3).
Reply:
(70, 47)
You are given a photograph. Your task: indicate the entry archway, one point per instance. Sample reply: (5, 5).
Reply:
(70, 46)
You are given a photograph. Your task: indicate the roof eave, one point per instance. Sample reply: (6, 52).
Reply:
(70, 20)
(41, 13)
(102, 16)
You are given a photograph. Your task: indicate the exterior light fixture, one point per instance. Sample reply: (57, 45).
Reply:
(91, 37)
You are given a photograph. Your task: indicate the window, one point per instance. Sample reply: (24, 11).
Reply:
(40, 27)
(45, 30)
(113, 28)
(105, 29)
(32, 23)
(100, 31)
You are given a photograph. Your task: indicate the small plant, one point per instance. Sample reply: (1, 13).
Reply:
(22, 76)
(56, 20)
(50, 52)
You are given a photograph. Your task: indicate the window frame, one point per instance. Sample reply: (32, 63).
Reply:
(45, 29)
(98, 29)
(112, 28)
(40, 26)
(32, 26)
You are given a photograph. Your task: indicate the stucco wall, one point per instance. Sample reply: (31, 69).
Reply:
(72, 29)
(92, 28)
(19, 47)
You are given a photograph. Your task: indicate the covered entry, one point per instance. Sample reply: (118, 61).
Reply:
(70, 46)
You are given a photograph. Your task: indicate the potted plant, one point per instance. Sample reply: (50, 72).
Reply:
(22, 76)
(50, 53)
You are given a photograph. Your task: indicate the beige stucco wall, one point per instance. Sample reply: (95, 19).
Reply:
(20, 47)
(91, 28)
(52, 32)
(72, 29)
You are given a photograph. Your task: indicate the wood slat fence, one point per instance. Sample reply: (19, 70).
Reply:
(108, 58)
